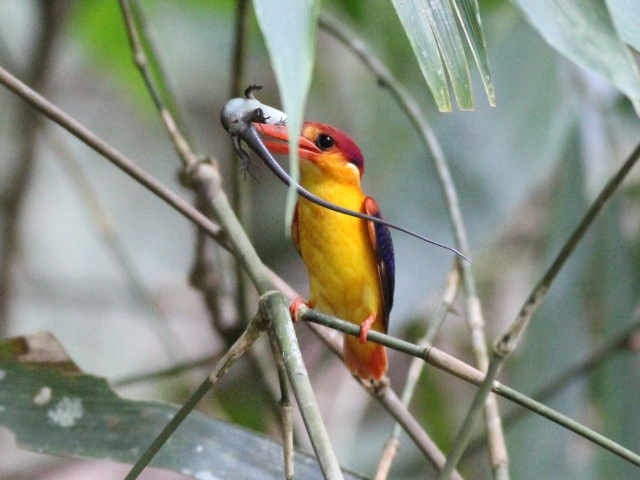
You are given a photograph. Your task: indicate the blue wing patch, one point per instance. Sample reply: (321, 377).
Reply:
(383, 247)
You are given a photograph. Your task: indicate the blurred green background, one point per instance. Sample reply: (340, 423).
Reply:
(525, 171)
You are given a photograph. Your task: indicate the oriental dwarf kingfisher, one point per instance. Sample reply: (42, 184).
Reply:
(350, 261)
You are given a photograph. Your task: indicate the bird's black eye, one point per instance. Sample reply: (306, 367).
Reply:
(324, 141)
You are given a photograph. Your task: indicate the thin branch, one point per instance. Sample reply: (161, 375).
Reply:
(416, 367)
(475, 320)
(206, 182)
(275, 309)
(617, 344)
(166, 88)
(182, 147)
(159, 374)
(52, 112)
(508, 341)
(241, 193)
(243, 343)
(463, 371)
(286, 409)
(27, 124)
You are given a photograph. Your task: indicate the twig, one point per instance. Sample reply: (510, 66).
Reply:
(389, 401)
(475, 321)
(416, 367)
(274, 308)
(458, 368)
(173, 370)
(140, 59)
(241, 194)
(617, 344)
(286, 409)
(166, 88)
(508, 341)
(206, 182)
(52, 112)
(249, 336)
(27, 123)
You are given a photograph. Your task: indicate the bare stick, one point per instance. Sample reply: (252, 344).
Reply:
(416, 367)
(458, 368)
(286, 410)
(27, 125)
(107, 151)
(619, 343)
(140, 60)
(241, 192)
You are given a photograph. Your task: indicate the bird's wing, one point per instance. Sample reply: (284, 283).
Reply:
(383, 248)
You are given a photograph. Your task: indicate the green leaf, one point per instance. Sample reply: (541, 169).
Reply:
(445, 29)
(425, 47)
(53, 408)
(469, 15)
(433, 33)
(626, 18)
(584, 32)
(289, 30)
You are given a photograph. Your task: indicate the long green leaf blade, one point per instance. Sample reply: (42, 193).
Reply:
(469, 15)
(626, 18)
(583, 31)
(445, 29)
(289, 29)
(425, 48)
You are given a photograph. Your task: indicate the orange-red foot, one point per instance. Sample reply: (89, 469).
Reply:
(365, 327)
(293, 308)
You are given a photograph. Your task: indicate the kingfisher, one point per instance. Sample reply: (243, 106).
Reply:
(349, 261)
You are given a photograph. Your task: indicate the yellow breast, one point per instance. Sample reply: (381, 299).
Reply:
(337, 252)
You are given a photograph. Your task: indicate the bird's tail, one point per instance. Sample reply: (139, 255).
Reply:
(367, 360)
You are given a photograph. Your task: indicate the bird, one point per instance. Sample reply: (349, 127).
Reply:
(349, 261)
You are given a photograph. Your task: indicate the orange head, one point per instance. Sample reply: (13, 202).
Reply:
(323, 149)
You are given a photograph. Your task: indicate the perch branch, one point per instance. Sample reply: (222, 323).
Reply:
(463, 371)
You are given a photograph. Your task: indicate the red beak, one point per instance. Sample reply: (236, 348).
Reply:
(307, 149)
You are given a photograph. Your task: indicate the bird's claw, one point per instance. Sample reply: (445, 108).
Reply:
(293, 308)
(365, 327)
